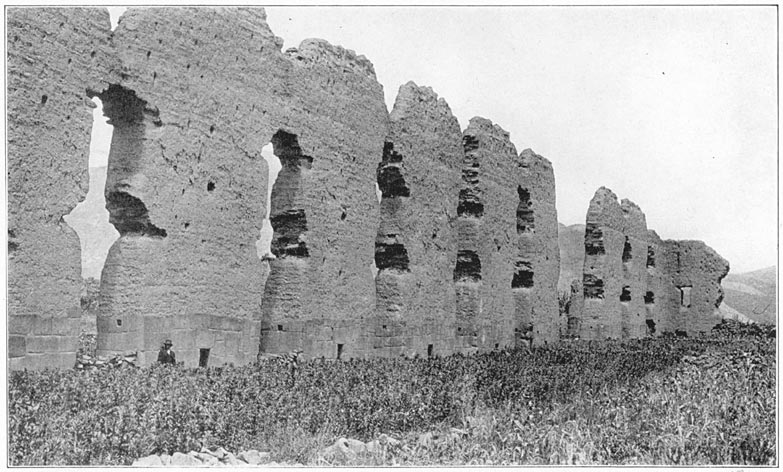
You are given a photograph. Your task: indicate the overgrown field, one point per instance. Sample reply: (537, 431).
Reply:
(668, 400)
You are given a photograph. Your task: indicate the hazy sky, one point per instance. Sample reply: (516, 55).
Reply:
(671, 107)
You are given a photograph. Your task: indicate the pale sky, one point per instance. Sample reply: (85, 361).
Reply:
(671, 107)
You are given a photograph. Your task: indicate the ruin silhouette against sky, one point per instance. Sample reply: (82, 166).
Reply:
(672, 106)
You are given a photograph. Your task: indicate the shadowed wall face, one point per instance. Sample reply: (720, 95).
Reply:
(54, 55)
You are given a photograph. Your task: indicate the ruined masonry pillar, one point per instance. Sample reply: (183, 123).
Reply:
(416, 244)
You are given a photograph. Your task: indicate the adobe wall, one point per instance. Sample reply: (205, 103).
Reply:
(659, 291)
(186, 187)
(416, 244)
(53, 56)
(696, 271)
(637, 285)
(634, 262)
(487, 240)
(604, 276)
(537, 262)
(465, 236)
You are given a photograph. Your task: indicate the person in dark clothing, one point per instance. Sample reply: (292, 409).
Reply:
(166, 355)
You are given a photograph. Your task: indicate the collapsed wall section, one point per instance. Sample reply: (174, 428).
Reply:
(537, 262)
(416, 245)
(53, 56)
(187, 187)
(487, 235)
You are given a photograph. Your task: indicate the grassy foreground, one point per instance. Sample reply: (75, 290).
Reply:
(707, 400)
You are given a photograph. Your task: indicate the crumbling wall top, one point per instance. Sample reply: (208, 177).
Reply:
(320, 51)
(605, 210)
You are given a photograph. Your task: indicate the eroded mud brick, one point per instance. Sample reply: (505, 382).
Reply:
(54, 55)
(537, 263)
(696, 272)
(200, 92)
(603, 279)
(416, 245)
(487, 246)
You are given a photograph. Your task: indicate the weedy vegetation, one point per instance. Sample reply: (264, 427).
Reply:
(706, 400)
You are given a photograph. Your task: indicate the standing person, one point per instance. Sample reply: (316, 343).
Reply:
(166, 355)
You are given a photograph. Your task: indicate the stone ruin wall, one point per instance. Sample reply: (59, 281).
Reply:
(537, 267)
(637, 285)
(487, 239)
(465, 236)
(416, 244)
(696, 272)
(53, 56)
(220, 89)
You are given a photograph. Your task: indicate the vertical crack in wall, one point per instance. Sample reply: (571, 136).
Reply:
(627, 251)
(390, 253)
(130, 116)
(650, 257)
(525, 218)
(470, 204)
(289, 222)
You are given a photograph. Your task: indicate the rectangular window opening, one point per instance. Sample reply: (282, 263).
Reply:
(203, 357)
(429, 350)
(685, 296)
(339, 351)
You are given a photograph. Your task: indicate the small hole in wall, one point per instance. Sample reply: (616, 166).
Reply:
(343, 216)
(211, 129)
(70, 60)
(384, 326)
(186, 225)
(429, 350)
(210, 186)
(44, 98)
(148, 54)
(496, 345)
(92, 54)
(279, 327)
(339, 351)
(119, 322)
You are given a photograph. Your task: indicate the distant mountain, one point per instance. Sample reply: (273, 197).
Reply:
(572, 254)
(752, 294)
